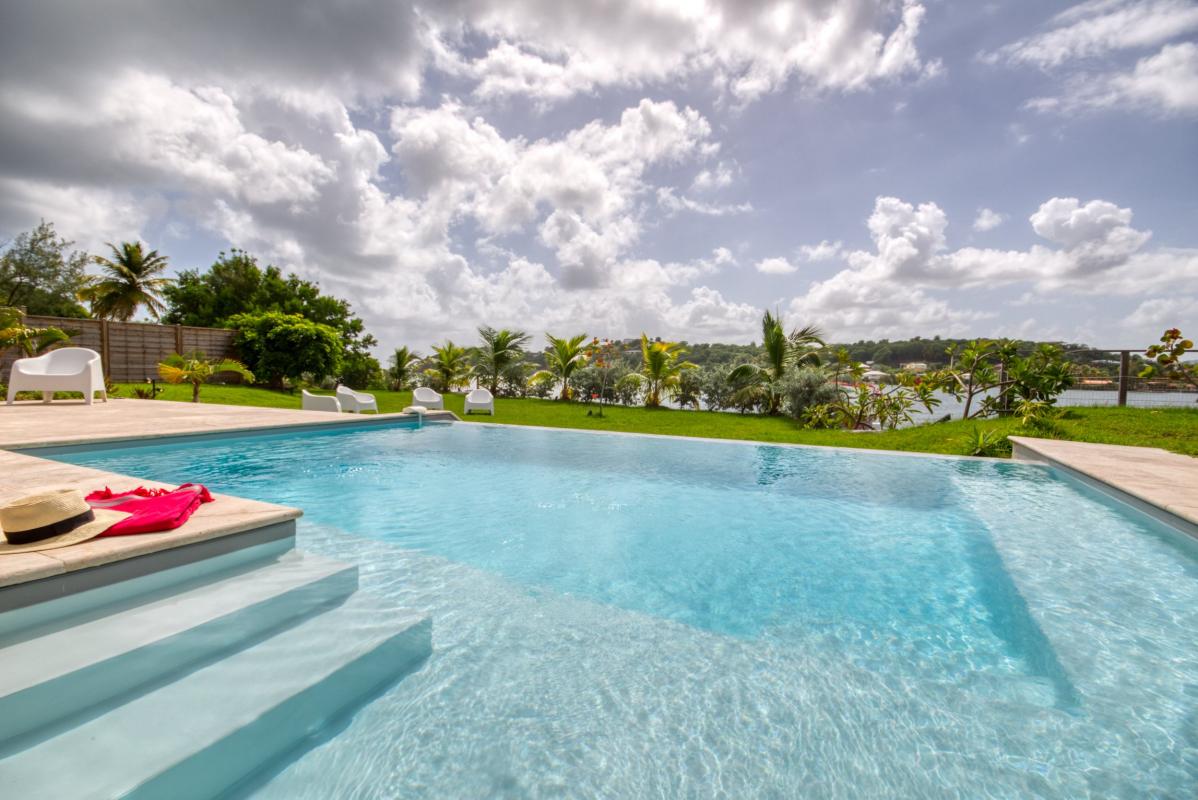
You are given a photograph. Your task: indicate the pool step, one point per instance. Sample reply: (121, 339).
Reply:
(52, 680)
(213, 728)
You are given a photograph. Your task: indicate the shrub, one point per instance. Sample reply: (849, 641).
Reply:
(628, 388)
(987, 443)
(715, 389)
(804, 388)
(278, 347)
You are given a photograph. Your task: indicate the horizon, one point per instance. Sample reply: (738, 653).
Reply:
(881, 169)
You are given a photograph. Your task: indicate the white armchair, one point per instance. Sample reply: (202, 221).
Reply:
(68, 369)
(426, 397)
(319, 402)
(480, 400)
(356, 402)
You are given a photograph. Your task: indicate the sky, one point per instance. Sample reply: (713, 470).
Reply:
(880, 168)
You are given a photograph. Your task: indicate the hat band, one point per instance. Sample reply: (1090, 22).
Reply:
(46, 531)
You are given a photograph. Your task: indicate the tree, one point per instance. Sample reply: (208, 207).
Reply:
(1167, 356)
(30, 341)
(500, 349)
(279, 347)
(781, 351)
(402, 369)
(562, 357)
(451, 365)
(40, 273)
(994, 372)
(195, 369)
(132, 278)
(235, 284)
(661, 367)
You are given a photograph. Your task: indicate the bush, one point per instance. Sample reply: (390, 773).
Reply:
(714, 387)
(278, 347)
(804, 388)
(361, 371)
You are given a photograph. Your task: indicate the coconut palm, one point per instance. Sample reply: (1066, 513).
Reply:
(499, 351)
(563, 356)
(403, 366)
(132, 278)
(451, 365)
(662, 368)
(30, 341)
(195, 369)
(782, 351)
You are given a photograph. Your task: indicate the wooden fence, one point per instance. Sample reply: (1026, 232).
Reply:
(131, 351)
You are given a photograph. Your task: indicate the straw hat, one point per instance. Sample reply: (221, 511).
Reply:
(48, 520)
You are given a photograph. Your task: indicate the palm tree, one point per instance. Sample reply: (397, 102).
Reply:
(782, 351)
(30, 341)
(451, 365)
(403, 365)
(562, 357)
(661, 367)
(195, 369)
(500, 350)
(132, 278)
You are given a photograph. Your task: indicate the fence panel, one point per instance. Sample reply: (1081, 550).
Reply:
(131, 350)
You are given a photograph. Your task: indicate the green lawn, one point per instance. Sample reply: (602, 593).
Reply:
(1172, 429)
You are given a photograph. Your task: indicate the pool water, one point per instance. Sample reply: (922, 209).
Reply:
(645, 617)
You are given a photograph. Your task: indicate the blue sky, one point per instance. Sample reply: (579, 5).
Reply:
(881, 168)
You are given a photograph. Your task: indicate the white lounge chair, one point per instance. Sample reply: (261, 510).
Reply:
(426, 397)
(68, 369)
(356, 402)
(319, 402)
(480, 400)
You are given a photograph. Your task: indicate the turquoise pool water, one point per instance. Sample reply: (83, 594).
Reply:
(641, 617)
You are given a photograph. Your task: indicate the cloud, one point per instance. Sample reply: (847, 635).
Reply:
(824, 251)
(719, 177)
(987, 220)
(548, 51)
(891, 290)
(776, 266)
(674, 203)
(1164, 83)
(1097, 27)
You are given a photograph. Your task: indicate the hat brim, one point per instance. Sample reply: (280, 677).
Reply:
(104, 519)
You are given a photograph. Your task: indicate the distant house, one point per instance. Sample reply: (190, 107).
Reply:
(916, 367)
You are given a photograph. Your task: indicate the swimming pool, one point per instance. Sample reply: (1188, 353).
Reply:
(635, 616)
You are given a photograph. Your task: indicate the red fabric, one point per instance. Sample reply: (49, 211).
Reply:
(150, 510)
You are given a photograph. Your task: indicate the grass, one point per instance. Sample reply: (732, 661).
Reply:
(1171, 429)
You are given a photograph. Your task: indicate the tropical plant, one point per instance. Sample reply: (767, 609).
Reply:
(986, 443)
(627, 388)
(28, 340)
(130, 279)
(605, 359)
(689, 389)
(715, 389)
(562, 357)
(994, 374)
(280, 347)
(862, 406)
(661, 366)
(402, 369)
(500, 349)
(40, 273)
(781, 351)
(195, 369)
(1166, 357)
(451, 365)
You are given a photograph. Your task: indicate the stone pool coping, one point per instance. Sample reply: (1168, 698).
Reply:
(35, 425)
(1163, 481)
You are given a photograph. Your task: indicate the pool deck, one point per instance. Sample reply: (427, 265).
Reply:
(1161, 480)
(35, 424)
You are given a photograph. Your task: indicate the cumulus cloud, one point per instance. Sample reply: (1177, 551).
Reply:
(892, 288)
(776, 266)
(718, 177)
(549, 51)
(987, 220)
